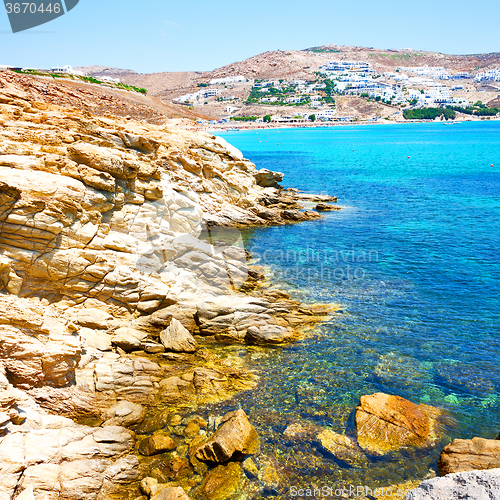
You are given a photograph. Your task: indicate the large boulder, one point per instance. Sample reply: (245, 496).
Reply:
(472, 485)
(177, 338)
(235, 438)
(469, 454)
(268, 178)
(385, 423)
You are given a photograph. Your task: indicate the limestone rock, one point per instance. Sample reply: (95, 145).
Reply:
(469, 454)
(124, 413)
(385, 423)
(269, 334)
(93, 318)
(128, 339)
(96, 339)
(471, 485)
(268, 178)
(177, 338)
(156, 444)
(235, 438)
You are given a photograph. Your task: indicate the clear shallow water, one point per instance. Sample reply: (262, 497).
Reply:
(414, 261)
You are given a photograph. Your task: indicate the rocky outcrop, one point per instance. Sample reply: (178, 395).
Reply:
(385, 423)
(469, 454)
(235, 438)
(473, 485)
(119, 248)
(268, 178)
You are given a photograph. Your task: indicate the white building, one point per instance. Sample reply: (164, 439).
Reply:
(227, 79)
(326, 114)
(211, 92)
(62, 69)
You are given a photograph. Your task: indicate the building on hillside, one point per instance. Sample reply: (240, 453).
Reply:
(227, 79)
(62, 69)
(326, 114)
(211, 92)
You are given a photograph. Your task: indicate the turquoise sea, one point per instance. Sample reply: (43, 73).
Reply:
(413, 259)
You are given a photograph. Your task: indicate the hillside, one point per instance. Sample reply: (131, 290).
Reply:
(293, 65)
(96, 99)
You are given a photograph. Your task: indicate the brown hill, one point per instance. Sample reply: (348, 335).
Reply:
(99, 100)
(298, 64)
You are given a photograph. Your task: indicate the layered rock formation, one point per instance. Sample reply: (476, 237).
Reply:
(385, 423)
(469, 454)
(115, 248)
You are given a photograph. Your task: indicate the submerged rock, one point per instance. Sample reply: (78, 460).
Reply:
(171, 493)
(469, 454)
(235, 438)
(156, 444)
(222, 482)
(385, 423)
(472, 485)
(269, 334)
(177, 338)
(341, 447)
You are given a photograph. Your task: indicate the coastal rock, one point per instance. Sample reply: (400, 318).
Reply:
(469, 454)
(385, 423)
(93, 318)
(100, 224)
(124, 413)
(128, 339)
(177, 338)
(293, 215)
(323, 207)
(156, 444)
(269, 334)
(472, 485)
(268, 178)
(234, 438)
(96, 339)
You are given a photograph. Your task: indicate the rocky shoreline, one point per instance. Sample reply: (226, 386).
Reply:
(118, 244)
(123, 276)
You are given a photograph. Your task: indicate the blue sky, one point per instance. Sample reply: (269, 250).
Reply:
(159, 35)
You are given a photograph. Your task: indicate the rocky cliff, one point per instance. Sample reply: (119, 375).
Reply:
(117, 245)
